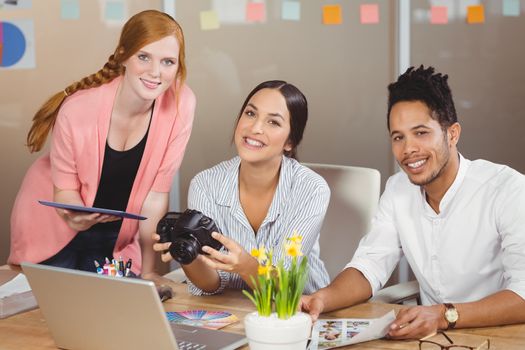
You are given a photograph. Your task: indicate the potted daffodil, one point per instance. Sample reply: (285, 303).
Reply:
(277, 324)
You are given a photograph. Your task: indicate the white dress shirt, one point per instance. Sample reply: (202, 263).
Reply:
(299, 204)
(473, 248)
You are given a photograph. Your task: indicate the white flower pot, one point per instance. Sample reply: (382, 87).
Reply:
(270, 332)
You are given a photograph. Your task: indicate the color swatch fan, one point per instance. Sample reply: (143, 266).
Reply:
(202, 318)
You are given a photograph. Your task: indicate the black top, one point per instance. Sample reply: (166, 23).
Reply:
(119, 170)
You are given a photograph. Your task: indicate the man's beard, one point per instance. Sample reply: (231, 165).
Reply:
(445, 155)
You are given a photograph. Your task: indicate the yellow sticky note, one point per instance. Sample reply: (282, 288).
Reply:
(209, 20)
(475, 14)
(332, 14)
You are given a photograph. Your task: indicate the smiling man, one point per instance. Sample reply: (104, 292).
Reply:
(460, 223)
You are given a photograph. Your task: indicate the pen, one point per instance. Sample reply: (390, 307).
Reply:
(111, 270)
(100, 271)
(121, 267)
(114, 264)
(128, 267)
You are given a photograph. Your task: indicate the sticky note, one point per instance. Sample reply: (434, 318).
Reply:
(230, 11)
(332, 14)
(291, 11)
(209, 20)
(369, 13)
(511, 8)
(69, 9)
(475, 14)
(114, 11)
(256, 12)
(439, 15)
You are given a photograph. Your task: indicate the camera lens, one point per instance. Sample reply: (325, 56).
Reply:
(184, 250)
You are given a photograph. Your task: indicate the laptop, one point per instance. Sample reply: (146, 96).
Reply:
(85, 310)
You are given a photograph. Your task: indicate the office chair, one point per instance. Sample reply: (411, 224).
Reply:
(353, 202)
(400, 293)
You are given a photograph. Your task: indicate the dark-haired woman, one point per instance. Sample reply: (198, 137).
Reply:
(119, 135)
(261, 197)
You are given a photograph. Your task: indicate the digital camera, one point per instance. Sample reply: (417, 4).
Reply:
(188, 232)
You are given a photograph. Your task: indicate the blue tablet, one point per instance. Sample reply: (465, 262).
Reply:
(122, 214)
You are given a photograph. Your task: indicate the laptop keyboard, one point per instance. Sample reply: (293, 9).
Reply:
(186, 345)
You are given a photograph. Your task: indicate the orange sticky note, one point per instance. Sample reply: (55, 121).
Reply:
(369, 13)
(332, 14)
(475, 14)
(256, 12)
(439, 15)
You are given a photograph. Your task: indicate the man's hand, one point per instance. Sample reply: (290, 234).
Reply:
(313, 305)
(418, 322)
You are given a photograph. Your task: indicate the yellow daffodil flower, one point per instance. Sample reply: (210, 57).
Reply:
(259, 254)
(264, 270)
(279, 286)
(293, 249)
(296, 238)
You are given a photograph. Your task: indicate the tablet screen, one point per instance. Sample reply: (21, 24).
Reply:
(122, 214)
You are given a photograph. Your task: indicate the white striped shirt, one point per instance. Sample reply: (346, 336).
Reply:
(299, 204)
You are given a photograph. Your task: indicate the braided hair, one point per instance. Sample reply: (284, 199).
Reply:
(140, 30)
(422, 84)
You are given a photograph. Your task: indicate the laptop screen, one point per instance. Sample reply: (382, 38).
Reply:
(84, 310)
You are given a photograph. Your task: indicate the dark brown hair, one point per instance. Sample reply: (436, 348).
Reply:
(297, 107)
(422, 84)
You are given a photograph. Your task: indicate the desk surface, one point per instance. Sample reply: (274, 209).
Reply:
(29, 330)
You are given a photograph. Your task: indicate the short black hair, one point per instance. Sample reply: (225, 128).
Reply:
(297, 107)
(422, 84)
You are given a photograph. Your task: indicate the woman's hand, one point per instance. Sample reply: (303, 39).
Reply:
(162, 247)
(80, 221)
(236, 260)
(76, 220)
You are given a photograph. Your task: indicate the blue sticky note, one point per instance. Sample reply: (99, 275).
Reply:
(291, 10)
(114, 10)
(69, 9)
(511, 8)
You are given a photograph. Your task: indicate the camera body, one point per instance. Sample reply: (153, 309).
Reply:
(188, 232)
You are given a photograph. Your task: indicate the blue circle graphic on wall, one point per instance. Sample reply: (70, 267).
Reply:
(12, 44)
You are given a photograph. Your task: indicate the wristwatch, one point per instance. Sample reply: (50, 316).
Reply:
(451, 315)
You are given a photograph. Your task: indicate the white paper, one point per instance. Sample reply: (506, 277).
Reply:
(17, 285)
(332, 333)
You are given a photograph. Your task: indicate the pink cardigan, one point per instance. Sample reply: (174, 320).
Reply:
(75, 162)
